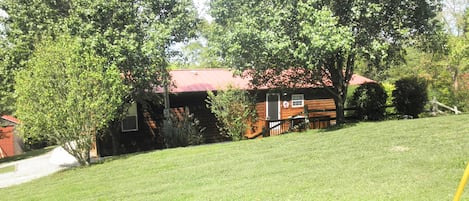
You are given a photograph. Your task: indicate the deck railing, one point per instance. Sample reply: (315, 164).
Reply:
(294, 124)
(308, 119)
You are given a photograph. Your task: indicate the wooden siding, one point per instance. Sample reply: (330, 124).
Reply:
(207, 120)
(286, 113)
(9, 144)
(150, 118)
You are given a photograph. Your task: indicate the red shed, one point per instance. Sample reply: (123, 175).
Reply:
(10, 143)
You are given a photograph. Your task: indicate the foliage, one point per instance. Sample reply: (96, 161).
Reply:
(66, 94)
(6, 77)
(317, 38)
(462, 95)
(197, 53)
(389, 160)
(182, 131)
(410, 96)
(233, 109)
(444, 70)
(388, 88)
(132, 35)
(370, 102)
(27, 22)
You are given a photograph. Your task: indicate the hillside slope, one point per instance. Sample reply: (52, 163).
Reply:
(421, 159)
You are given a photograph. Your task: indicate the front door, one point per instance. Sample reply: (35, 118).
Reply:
(273, 109)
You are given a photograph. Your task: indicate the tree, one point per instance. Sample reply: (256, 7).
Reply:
(197, 53)
(133, 36)
(66, 94)
(319, 39)
(26, 23)
(232, 108)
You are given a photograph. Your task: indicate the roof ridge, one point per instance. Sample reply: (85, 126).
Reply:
(10, 119)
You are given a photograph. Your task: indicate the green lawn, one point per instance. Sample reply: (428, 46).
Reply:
(421, 159)
(6, 169)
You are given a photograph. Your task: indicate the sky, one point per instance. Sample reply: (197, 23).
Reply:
(449, 8)
(203, 9)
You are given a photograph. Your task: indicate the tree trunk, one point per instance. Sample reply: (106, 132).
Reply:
(455, 79)
(340, 105)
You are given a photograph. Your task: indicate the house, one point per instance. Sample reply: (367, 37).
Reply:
(140, 130)
(10, 143)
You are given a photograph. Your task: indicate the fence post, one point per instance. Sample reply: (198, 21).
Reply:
(266, 129)
(434, 106)
(455, 110)
(306, 117)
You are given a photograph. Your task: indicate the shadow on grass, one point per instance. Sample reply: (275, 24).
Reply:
(27, 155)
(336, 127)
(108, 159)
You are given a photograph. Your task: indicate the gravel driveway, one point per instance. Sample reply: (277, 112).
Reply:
(36, 167)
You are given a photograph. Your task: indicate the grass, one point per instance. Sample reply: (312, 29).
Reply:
(420, 159)
(27, 155)
(6, 169)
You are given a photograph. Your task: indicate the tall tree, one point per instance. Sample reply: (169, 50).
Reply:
(26, 22)
(132, 35)
(67, 94)
(317, 39)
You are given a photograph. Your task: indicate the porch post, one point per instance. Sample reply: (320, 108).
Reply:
(306, 117)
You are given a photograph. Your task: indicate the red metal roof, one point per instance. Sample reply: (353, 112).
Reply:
(359, 80)
(204, 80)
(11, 119)
(215, 79)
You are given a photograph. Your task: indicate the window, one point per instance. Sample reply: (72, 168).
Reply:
(130, 122)
(297, 100)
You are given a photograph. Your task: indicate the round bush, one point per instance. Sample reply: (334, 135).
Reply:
(410, 96)
(370, 102)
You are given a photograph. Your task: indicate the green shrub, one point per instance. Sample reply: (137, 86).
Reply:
(389, 88)
(233, 109)
(370, 102)
(410, 96)
(462, 94)
(182, 131)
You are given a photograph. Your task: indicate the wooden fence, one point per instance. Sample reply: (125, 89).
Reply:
(436, 106)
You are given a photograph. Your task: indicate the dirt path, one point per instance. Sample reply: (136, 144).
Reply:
(33, 168)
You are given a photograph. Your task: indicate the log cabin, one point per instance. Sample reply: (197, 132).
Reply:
(277, 109)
